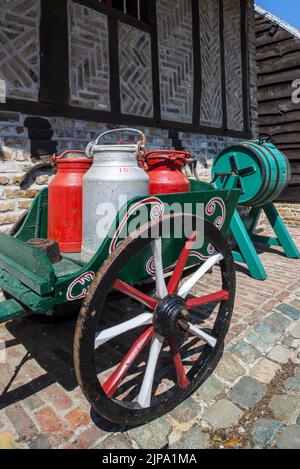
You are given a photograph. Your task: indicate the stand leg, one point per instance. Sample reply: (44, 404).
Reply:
(281, 232)
(247, 249)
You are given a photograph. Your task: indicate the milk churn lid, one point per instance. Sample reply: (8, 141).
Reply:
(174, 158)
(71, 157)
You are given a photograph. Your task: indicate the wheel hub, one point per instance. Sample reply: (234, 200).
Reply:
(170, 317)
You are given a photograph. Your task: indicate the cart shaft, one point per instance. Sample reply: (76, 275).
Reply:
(11, 309)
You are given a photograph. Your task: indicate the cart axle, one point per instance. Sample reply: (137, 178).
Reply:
(170, 317)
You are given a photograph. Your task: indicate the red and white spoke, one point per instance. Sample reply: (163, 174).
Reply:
(162, 321)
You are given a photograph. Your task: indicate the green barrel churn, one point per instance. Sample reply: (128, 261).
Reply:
(263, 171)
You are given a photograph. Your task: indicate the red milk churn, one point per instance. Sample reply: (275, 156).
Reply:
(65, 200)
(164, 168)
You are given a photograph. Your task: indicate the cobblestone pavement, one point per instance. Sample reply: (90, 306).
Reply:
(251, 400)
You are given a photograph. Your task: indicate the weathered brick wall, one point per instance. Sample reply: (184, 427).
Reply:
(290, 214)
(204, 148)
(233, 64)
(176, 65)
(135, 71)
(89, 58)
(209, 18)
(90, 81)
(16, 160)
(89, 63)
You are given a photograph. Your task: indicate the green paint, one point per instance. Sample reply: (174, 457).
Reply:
(136, 269)
(244, 233)
(198, 186)
(247, 254)
(11, 309)
(24, 294)
(36, 221)
(27, 263)
(268, 240)
(283, 236)
(29, 277)
(267, 176)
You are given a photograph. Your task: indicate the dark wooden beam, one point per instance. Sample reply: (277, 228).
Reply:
(245, 64)
(114, 72)
(54, 51)
(278, 50)
(279, 35)
(275, 92)
(277, 78)
(288, 61)
(280, 119)
(281, 128)
(197, 63)
(291, 194)
(223, 69)
(155, 59)
(73, 112)
(114, 13)
(281, 107)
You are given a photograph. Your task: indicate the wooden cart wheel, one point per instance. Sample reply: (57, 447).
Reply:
(134, 367)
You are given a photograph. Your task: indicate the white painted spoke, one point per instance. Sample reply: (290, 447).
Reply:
(185, 289)
(111, 332)
(194, 330)
(161, 289)
(145, 393)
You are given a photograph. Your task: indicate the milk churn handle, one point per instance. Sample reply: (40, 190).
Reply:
(141, 142)
(55, 157)
(171, 155)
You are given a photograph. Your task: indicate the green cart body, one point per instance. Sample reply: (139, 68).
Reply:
(37, 286)
(158, 271)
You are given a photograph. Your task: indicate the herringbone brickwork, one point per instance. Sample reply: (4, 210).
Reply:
(211, 96)
(233, 64)
(89, 58)
(174, 23)
(19, 52)
(135, 71)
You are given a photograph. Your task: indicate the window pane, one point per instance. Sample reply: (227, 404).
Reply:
(132, 8)
(136, 8)
(118, 4)
(144, 10)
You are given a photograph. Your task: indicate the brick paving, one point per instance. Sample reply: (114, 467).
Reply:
(251, 400)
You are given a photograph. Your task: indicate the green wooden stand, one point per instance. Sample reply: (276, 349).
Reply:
(262, 172)
(243, 232)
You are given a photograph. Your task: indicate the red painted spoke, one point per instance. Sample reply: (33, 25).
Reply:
(212, 298)
(181, 263)
(181, 376)
(136, 294)
(111, 384)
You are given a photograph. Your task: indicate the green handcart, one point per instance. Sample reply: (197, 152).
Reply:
(135, 364)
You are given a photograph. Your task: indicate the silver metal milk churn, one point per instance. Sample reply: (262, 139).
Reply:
(113, 177)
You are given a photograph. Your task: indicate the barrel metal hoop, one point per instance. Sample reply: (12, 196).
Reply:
(278, 175)
(260, 199)
(262, 188)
